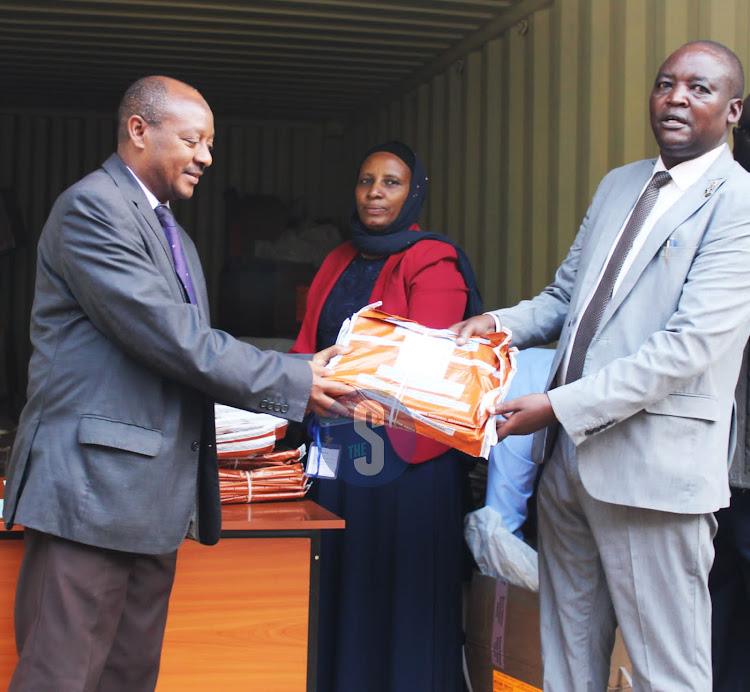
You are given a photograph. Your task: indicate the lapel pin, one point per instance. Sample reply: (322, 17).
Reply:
(710, 189)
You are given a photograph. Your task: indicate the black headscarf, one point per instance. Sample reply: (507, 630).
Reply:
(397, 237)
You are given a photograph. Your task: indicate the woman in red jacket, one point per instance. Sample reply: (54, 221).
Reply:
(390, 606)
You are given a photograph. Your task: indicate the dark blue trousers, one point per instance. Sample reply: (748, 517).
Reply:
(729, 584)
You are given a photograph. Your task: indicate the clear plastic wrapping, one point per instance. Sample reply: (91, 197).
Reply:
(415, 378)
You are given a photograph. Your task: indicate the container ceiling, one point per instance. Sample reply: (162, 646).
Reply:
(290, 59)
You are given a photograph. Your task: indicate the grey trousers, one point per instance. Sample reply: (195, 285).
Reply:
(89, 619)
(601, 565)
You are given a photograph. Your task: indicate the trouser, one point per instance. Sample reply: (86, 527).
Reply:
(729, 583)
(89, 619)
(601, 565)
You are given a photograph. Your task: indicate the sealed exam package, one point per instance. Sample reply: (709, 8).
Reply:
(245, 433)
(265, 484)
(415, 378)
(251, 468)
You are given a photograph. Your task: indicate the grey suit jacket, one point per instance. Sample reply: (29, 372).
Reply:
(123, 377)
(652, 416)
(739, 469)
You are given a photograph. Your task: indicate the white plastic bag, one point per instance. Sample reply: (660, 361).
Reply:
(498, 552)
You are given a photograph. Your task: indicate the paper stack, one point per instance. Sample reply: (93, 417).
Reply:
(251, 467)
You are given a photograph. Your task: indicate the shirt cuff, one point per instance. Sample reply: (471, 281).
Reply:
(498, 326)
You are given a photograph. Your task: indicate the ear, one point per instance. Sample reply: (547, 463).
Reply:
(136, 131)
(735, 111)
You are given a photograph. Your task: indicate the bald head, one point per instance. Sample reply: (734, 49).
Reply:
(735, 74)
(148, 98)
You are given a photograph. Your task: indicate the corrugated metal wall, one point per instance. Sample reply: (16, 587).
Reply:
(516, 135)
(42, 154)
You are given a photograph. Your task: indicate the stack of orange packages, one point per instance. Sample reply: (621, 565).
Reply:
(251, 466)
(415, 378)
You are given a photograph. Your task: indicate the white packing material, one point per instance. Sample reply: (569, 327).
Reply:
(498, 552)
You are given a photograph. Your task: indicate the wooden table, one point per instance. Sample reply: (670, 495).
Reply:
(243, 613)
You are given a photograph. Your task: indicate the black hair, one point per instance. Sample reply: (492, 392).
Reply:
(147, 97)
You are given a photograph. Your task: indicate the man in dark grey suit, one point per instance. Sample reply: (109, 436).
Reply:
(115, 461)
(650, 309)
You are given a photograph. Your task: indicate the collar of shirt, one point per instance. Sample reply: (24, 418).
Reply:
(152, 200)
(687, 173)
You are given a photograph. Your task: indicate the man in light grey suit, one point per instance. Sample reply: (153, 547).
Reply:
(651, 312)
(115, 461)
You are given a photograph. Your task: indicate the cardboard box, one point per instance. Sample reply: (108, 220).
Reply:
(502, 635)
(620, 678)
(503, 653)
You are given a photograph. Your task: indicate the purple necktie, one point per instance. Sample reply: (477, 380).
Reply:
(169, 224)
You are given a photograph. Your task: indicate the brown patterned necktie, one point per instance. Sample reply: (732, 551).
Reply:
(593, 314)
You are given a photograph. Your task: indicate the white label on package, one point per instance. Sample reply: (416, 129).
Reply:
(429, 384)
(425, 355)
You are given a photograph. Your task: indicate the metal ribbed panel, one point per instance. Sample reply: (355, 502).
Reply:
(270, 58)
(516, 134)
(516, 121)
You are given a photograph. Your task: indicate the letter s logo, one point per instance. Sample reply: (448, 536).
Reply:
(377, 458)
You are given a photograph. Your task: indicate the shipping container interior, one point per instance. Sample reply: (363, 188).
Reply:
(516, 107)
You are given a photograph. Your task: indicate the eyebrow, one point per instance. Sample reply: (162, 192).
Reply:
(385, 175)
(692, 78)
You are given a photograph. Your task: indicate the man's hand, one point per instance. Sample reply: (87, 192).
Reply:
(324, 392)
(474, 326)
(324, 356)
(524, 415)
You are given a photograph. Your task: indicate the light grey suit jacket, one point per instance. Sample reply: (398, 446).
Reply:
(651, 417)
(123, 377)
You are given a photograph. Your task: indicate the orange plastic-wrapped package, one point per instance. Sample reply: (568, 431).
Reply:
(411, 377)
(251, 468)
(277, 457)
(263, 484)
